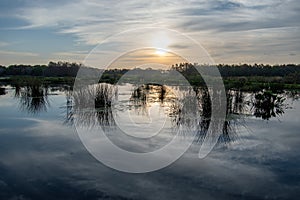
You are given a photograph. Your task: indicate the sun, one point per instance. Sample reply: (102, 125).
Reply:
(160, 52)
(160, 41)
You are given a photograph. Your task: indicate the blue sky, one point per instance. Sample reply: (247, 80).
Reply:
(236, 31)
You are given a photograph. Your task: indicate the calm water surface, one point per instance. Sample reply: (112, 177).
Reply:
(42, 157)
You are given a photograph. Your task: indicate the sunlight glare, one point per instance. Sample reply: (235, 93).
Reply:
(160, 52)
(160, 41)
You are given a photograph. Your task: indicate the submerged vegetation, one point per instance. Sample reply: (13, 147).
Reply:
(93, 105)
(33, 96)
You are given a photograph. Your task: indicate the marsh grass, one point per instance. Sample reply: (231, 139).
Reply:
(32, 94)
(2, 91)
(99, 96)
(92, 105)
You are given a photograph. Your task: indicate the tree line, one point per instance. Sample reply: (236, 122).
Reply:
(285, 73)
(227, 70)
(53, 69)
(66, 69)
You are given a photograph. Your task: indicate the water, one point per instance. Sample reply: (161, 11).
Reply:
(42, 157)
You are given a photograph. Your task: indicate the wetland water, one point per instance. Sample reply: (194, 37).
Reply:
(41, 156)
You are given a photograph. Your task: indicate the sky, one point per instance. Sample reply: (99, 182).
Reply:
(229, 31)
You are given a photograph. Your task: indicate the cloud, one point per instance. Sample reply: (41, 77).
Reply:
(178, 46)
(18, 57)
(104, 19)
(18, 53)
(78, 54)
(3, 44)
(223, 16)
(93, 21)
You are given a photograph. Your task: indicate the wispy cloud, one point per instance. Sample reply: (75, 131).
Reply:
(72, 54)
(3, 44)
(19, 57)
(244, 21)
(18, 53)
(101, 18)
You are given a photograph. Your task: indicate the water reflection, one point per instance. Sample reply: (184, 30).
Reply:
(268, 104)
(2, 91)
(240, 104)
(144, 96)
(80, 106)
(32, 96)
(260, 166)
(263, 104)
